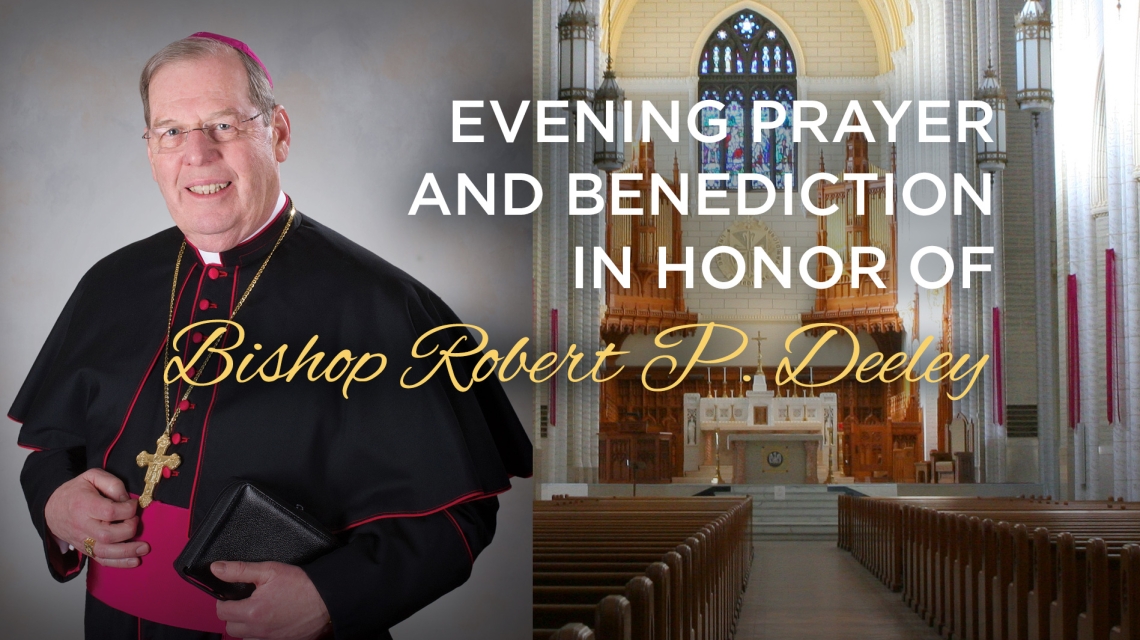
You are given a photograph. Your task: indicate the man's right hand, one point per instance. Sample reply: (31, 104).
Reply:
(96, 505)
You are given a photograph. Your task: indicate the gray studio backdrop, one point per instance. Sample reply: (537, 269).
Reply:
(368, 87)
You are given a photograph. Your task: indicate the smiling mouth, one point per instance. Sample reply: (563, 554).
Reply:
(207, 189)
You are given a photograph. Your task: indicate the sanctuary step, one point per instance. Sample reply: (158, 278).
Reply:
(805, 512)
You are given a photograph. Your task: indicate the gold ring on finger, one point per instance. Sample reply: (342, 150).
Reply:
(89, 547)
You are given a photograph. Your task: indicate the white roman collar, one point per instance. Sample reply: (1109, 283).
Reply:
(216, 258)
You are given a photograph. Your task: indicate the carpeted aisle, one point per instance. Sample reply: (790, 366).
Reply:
(814, 590)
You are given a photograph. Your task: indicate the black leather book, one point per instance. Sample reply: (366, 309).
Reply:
(246, 524)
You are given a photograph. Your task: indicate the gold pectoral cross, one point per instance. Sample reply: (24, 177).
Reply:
(155, 463)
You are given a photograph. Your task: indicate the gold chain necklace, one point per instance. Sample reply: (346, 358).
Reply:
(159, 460)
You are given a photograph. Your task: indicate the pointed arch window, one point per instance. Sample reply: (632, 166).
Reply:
(748, 59)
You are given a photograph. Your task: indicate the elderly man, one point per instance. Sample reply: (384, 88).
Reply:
(405, 477)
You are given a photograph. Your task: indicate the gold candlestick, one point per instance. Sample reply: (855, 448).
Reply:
(718, 479)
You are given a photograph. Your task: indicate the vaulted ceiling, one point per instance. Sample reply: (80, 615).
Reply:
(886, 19)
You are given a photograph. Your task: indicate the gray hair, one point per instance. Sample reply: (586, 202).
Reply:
(260, 92)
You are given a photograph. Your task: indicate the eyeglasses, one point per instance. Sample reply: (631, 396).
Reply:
(168, 138)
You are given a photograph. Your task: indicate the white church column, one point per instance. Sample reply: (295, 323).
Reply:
(589, 231)
(1111, 365)
(578, 436)
(548, 239)
(1120, 85)
(541, 245)
(994, 318)
(1129, 261)
(1082, 264)
(938, 65)
(972, 310)
(1077, 53)
(988, 57)
(1130, 304)
(582, 330)
(1080, 106)
(564, 315)
(986, 411)
(1091, 323)
(1048, 388)
(1089, 330)
(561, 434)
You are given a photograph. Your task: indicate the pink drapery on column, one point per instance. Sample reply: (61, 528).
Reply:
(999, 382)
(1074, 352)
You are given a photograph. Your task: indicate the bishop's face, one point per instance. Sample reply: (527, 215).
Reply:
(218, 192)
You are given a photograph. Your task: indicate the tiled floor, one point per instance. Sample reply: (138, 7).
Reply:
(815, 590)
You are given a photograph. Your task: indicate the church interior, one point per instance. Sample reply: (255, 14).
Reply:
(737, 502)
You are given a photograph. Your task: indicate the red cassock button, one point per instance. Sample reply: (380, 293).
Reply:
(191, 371)
(185, 405)
(196, 337)
(176, 438)
(166, 472)
(212, 273)
(203, 304)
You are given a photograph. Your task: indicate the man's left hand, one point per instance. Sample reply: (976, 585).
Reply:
(284, 606)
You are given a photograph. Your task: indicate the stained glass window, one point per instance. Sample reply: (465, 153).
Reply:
(734, 141)
(711, 154)
(785, 150)
(747, 59)
(762, 145)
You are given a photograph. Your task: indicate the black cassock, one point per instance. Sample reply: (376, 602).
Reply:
(406, 477)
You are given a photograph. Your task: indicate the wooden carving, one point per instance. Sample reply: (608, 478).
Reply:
(865, 307)
(883, 427)
(644, 307)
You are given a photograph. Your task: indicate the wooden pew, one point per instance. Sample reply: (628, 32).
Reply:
(1002, 567)
(679, 564)
(1129, 627)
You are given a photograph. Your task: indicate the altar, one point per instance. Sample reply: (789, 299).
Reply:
(765, 438)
